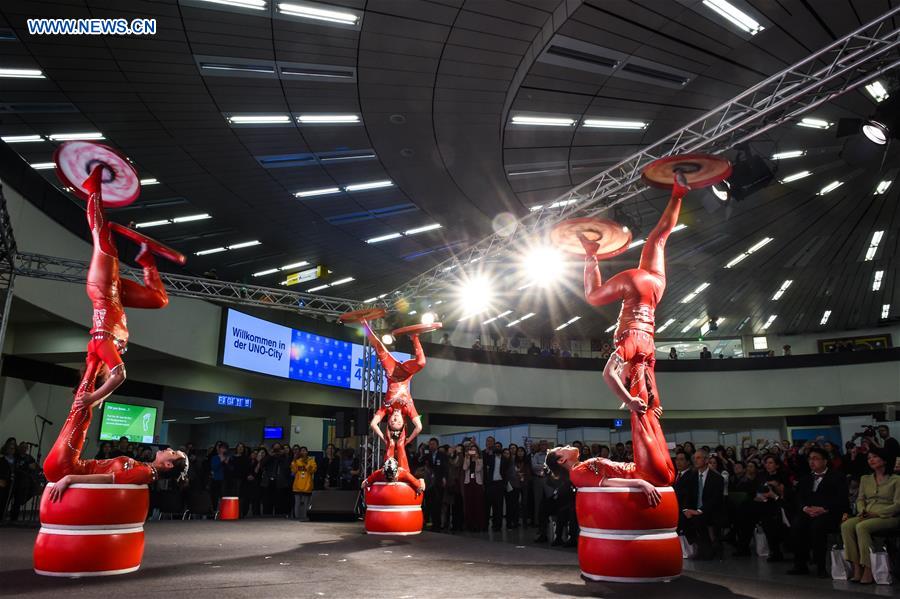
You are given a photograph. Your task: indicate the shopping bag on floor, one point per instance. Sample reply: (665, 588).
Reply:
(840, 568)
(688, 550)
(762, 543)
(881, 566)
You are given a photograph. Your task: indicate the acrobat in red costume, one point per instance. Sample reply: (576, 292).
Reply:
(392, 472)
(630, 370)
(109, 338)
(601, 472)
(397, 400)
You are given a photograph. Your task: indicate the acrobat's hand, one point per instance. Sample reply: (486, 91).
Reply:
(681, 187)
(59, 487)
(658, 411)
(636, 405)
(590, 247)
(365, 485)
(651, 493)
(83, 399)
(421, 488)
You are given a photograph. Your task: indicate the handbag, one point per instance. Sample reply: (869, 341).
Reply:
(840, 567)
(688, 549)
(762, 543)
(881, 566)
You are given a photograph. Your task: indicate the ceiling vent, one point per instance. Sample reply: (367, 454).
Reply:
(286, 160)
(229, 66)
(160, 203)
(354, 217)
(316, 72)
(7, 35)
(576, 54)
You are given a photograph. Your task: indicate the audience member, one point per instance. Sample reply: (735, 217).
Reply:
(767, 508)
(473, 488)
(451, 502)
(702, 505)
(673, 354)
(705, 354)
(436, 463)
(495, 467)
(538, 459)
(303, 468)
(328, 469)
(889, 444)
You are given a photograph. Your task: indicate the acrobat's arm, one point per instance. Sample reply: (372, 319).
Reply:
(60, 486)
(613, 379)
(635, 483)
(417, 428)
(376, 420)
(416, 483)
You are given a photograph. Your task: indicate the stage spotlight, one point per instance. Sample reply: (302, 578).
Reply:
(428, 318)
(387, 339)
(543, 265)
(476, 296)
(722, 191)
(876, 132)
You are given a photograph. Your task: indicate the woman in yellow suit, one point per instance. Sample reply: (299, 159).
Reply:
(303, 467)
(877, 508)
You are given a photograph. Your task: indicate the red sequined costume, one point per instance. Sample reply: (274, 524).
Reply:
(640, 290)
(403, 476)
(109, 338)
(397, 397)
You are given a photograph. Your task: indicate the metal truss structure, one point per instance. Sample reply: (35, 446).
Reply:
(836, 69)
(371, 396)
(7, 268)
(75, 271)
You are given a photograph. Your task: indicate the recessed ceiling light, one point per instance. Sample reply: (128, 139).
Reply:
(263, 273)
(782, 289)
(259, 119)
(210, 251)
(21, 139)
(76, 136)
(149, 182)
(328, 119)
(252, 4)
(737, 17)
(814, 123)
(637, 243)
(679, 227)
(614, 124)
(314, 289)
(513, 323)
(568, 322)
(342, 281)
(202, 417)
(317, 14)
(422, 229)
(190, 218)
(873, 245)
(665, 325)
(753, 249)
(169, 420)
(542, 121)
(42, 166)
(830, 187)
(383, 238)
(877, 91)
(317, 192)
(370, 300)
(689, 325)
(370, 185)
(690, 296)
(295, 265)
(769, 321)
(152, 223)
(245, 244)
(876, 280)
(21, 73)
(882, 187)
(796, 176)
(825, 316)
(885, 310)
(788, 154)
(611, 328)
(240, 68)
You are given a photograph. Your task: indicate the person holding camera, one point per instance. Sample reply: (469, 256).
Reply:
(303, 467)
(473, 488)
(495, 471)
(765, 507)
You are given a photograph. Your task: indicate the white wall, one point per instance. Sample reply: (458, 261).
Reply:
(307, 431)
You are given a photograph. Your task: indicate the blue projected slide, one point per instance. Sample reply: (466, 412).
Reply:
(261, 346)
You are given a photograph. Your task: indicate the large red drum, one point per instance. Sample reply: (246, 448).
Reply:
(96, 506)
(229, 508)
(629, 557)
(393, 509)
(625, 509)
(83, 552)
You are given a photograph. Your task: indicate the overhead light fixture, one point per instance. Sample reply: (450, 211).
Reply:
(876, 132)
(542, 265)
(91, 135)
(756, 247)
(796, 176)
(263, 273)
(153, 223)
(314, 289)
(782, 289)
(145, 182)
(830, 187)
(542, 121)
(368, 301)
(501, 315)
(568, 322)
(814, 123)
(306, 11)
(521, 319)
(636, 243)
(202, 417)
(428, 318)
(240, 68)
(295, 265)
(476, 295)
(42, 166)
(877, 91)
(252, 4)
(245, 244)
(722, 191)
(690, 325)
(21, 73)
(317, 192)
(665, 325)
(614, 124)
(611, 328)
(210, 251)
(882, 187)
(825, 316)
(281, 268)
(387, 339)
(190, 218)
(342, 281)
(735, 16)
(876, 280)
(873, 245)
(21, 139)
(885, 310)
(169, 420)
(384, 237)
(171, 221)
(422, 229)
(369, 185)
(259, 119)
(788, 154)
(769, 321)
(690, 296)
(328, 119)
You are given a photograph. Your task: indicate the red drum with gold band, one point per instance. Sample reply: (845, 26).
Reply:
(96, 506)
(94, 530)
(229, 508)
(393, 509)
(623, 538)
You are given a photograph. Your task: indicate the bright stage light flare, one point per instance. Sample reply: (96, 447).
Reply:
(428, 318)
(543, 265)
(387, 339)
(476, 296)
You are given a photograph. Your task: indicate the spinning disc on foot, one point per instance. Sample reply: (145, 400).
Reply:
(700, 170)
(157, 248)
(416, 329)
(76, 160)
(611, 237)
(363, 314)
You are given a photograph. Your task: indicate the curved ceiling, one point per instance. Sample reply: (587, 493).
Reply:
(435, 85)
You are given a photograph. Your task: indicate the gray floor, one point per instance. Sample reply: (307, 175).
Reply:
(279, 558)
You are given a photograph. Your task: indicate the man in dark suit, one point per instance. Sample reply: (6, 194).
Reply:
(495, 470)
(434, 493)
(823, 499)
(702, 503)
